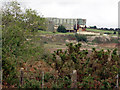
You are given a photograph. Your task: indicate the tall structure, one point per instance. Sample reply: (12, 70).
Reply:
(69, 23)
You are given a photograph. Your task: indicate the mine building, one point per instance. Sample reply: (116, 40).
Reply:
(71, 24)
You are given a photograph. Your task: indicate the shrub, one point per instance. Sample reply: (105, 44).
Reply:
(114, 33)
(119, 32)
(62, 29)
(107, 33)
(104, 40)
(81, 37)
(94, 71)
(18, 42)
(31, 84)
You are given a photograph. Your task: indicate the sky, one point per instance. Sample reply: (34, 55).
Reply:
(100, 13)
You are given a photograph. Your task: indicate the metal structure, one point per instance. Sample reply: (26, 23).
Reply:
(69, 23)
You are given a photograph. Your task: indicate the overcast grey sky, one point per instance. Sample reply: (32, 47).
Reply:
(102, 13)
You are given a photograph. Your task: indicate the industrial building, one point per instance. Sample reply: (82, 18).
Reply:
(71, 24)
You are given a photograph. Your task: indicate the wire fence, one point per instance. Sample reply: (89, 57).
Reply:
(42, 80)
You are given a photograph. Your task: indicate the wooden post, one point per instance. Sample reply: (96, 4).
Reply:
(21, 76)
(117, 82)
(74, 79)
(110, 56)
(1, 72)
(42, 79)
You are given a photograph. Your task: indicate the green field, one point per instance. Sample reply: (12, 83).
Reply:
(91, 30)
(48, 32)
(100, 31)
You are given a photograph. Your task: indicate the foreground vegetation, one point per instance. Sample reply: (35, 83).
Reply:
(19, 40)
(97, 71)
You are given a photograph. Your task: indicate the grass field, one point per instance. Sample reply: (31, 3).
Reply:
(100, 31)
(103, 31)
(70, 33)
(48, 32)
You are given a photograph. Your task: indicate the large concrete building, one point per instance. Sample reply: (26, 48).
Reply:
(69, 23)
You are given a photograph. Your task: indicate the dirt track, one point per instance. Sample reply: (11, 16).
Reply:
(109, 45)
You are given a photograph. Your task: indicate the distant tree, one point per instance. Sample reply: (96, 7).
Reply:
(93, 27)
(114, 33)
(62, 29)
(81, 37)
(119, 32)
(34, 21)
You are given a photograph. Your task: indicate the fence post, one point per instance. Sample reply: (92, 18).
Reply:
(117, 82)
(110, 56)
(21, 76)
(74, 79)
(43, 79)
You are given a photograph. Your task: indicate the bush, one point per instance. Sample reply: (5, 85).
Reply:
(94, 71)
(119, 32)
(104, 40)
(107, 33)
(114, 33)
(62, 29)
(18, 42)
(31, 84)
(81, 37)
